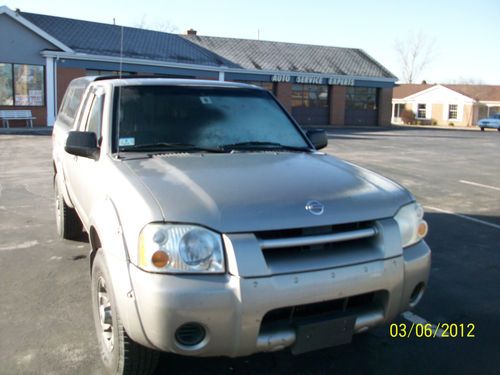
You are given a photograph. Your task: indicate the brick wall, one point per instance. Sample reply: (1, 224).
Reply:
(284, 95)
(64, 77)
(337, 104)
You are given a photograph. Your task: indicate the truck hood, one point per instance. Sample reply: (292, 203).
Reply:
(255, 191)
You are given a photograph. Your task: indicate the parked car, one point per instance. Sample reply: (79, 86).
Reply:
(217, 228)
(490, 122)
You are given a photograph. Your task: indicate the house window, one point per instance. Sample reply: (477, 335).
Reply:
(398, 110)
(21, 85)
(453, 111)
(421, 111)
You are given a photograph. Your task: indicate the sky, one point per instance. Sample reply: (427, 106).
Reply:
(465, 34)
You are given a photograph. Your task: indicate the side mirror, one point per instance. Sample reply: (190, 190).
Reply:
(82, 144)
(318, 138)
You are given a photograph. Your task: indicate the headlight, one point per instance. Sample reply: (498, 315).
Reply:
(180, 249)
(412, 226)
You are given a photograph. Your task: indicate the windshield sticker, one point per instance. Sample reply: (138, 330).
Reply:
(205, 100)
(130, 141)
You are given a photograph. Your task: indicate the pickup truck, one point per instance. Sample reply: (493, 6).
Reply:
(218, 228)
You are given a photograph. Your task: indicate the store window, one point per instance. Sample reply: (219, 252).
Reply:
(6, 91)
(453, 112)
(398, 110)
(22, 85)
(421, 111)
(364, 98)
(315, 96)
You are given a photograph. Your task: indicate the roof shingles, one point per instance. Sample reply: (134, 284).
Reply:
(105, 39)
(267, 55)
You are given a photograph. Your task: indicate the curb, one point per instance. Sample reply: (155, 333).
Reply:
(26, 131)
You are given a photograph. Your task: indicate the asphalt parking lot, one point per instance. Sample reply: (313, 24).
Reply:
(45, 317)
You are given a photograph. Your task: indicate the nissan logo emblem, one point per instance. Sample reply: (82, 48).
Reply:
(315, 207)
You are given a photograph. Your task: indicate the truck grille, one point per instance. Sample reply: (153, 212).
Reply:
(353, 305)
(304, 249)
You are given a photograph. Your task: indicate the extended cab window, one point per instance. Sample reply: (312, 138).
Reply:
(70, 104)
(205, 117)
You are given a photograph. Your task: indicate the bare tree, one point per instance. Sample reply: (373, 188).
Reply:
(158, 25)
(415, 53)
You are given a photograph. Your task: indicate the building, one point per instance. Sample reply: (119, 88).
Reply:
(460, 105)
(319, 85)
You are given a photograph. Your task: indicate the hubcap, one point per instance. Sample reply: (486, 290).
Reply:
(105, 314)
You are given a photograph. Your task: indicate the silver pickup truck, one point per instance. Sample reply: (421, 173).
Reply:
(217, 228)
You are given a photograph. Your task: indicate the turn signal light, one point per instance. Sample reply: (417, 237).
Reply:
(422, 229)
(160, 259)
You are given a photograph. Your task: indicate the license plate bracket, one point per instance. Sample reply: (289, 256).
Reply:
(323, 334)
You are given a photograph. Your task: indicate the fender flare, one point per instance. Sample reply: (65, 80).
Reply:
(59, 180)
(106, 235)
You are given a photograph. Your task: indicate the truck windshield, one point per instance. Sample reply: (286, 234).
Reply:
(148, 118)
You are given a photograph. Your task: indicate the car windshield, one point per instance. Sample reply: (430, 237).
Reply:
(151, 118)
(497, 116)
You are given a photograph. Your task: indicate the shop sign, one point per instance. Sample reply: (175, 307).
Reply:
(341, 81)
(281, 78)
(309, 80)
(314, 80)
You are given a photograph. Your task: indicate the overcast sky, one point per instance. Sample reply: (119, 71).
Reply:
(465, 34)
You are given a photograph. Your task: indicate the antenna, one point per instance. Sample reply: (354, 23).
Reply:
(119, 115)
(121, 52)
(258, 34)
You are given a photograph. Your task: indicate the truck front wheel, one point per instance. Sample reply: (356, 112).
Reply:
(119, 353)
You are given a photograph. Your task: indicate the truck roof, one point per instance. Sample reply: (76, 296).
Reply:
(138, 80)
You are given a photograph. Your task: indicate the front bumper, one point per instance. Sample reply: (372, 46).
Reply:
(232, 308)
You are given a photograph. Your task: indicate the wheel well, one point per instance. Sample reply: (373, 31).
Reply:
(95, 244)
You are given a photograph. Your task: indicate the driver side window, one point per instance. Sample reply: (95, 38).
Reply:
(94, 119)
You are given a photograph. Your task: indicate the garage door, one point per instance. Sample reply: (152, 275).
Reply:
(310, 104)
(361, 106)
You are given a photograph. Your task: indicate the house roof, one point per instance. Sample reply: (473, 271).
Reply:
(105, 39)
(476, 92)
(275, 56)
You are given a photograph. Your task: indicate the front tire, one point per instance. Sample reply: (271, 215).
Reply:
(482, 129)
(69, 225)
(119, 354)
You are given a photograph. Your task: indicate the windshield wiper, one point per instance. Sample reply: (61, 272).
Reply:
(167, 146)
(257, 145)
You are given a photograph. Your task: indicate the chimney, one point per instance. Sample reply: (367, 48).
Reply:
(191, 32)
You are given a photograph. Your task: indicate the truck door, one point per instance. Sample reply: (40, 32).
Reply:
(84, 173)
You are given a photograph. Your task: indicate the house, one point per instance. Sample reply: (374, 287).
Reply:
(457, 105)
(320, 85)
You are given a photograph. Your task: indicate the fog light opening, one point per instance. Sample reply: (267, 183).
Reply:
(190, 334)
(417, 294)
